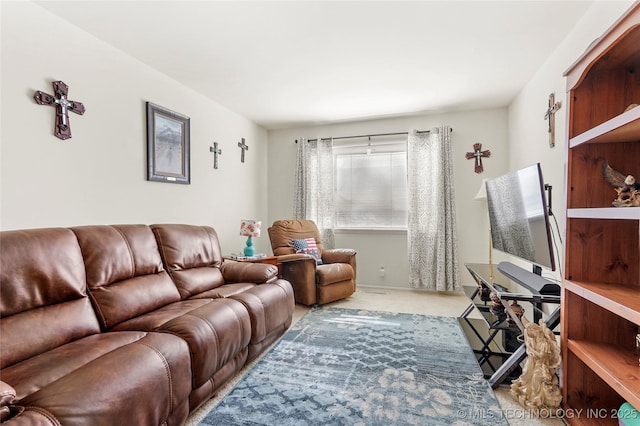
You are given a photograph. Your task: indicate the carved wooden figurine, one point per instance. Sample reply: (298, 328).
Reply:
(537, 388)
(627, 187)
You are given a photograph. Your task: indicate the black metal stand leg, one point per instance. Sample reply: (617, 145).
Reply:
(508, 366)
(471, 306)
(485, 352)
(467, 311)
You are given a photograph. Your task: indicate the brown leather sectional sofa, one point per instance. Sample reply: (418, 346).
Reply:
(127, 324)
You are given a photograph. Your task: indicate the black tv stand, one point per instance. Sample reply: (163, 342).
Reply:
(503, 285)
(533, 282)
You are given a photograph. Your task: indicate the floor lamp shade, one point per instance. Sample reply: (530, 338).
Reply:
(250, 228)
(482, 192)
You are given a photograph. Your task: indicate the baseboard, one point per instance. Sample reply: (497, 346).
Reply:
(366, 287)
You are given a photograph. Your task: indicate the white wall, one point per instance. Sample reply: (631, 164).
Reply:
(516, 138)
(99, 176)
(528, 138)
(389, 248)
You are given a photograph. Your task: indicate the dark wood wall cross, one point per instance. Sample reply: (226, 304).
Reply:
(243, 146)
(216, 151)
(551, 116)
(477, 154)
(63, 105)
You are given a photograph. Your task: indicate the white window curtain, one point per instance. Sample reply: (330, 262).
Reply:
(314, 177)
(431, 234)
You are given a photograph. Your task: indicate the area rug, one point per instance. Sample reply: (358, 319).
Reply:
(354, 367)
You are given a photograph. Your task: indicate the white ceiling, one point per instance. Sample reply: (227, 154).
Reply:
(293, 63)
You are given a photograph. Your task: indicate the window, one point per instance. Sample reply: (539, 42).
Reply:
(371, 186)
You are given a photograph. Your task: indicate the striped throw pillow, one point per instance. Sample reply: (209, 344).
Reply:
(307, 246)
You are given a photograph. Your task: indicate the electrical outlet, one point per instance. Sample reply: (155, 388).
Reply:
(381, 272)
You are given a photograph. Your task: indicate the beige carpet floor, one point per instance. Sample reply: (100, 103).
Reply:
(404, 301)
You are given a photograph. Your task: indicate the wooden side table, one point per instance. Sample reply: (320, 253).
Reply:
(269, 260)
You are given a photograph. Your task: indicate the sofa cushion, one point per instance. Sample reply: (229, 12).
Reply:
(191, 255)
(216, 330)
(44, 301)
(34, 332)
(125, 275)
(112, 378)
(33, 374)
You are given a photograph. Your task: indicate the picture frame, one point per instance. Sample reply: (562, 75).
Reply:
(168, 145)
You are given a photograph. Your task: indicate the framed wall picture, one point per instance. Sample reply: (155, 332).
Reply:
(167, 145)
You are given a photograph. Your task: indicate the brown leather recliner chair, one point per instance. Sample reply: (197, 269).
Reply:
(312, 283)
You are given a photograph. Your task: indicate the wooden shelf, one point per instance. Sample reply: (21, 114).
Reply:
(579, 421)
(623, 128)
(621, 300)
(631, 213)
(601, 292)
(617, 366)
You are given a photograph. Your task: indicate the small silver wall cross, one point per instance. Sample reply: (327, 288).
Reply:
(216, 151)
(551, 116)
(243, 146)
(63, 105)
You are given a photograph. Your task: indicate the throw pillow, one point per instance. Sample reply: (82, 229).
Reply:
(307, 246)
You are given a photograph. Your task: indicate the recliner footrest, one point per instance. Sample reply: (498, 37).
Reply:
(270, 309)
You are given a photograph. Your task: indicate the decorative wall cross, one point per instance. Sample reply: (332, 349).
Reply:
(243, 146)
(59, 98)
(551, 116)
(216, 151)
(477, 154)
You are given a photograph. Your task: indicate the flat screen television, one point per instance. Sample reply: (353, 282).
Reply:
(519, 220)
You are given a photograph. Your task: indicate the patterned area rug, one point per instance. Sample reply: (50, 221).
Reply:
(354, 367)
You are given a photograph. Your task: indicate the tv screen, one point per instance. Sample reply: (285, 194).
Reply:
(519, 217)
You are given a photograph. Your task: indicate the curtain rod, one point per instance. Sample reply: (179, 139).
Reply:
(368, 136)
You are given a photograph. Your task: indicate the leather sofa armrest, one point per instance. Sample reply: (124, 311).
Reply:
(341, 256)
(247, 272)
(7, 395)
(338, 255)
(295, 258)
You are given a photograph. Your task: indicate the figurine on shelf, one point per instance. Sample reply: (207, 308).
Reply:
(495, 299)
(537, 388)
(499, 312)
(627, 187)
(518, 310)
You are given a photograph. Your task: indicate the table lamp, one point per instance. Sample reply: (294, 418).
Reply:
(250, 228)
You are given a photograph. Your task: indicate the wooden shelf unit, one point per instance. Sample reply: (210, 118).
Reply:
(600, 310)
(621, 128)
